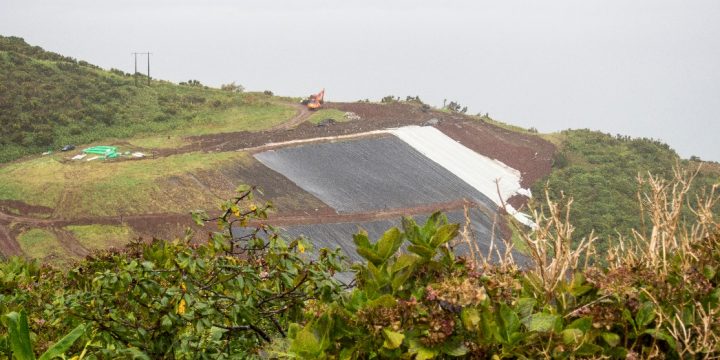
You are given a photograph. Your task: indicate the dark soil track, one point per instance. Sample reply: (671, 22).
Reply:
(525, 152)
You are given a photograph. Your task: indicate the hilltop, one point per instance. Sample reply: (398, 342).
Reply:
(49, 100)
(600, 173)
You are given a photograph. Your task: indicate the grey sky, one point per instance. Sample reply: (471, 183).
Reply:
(643, 68)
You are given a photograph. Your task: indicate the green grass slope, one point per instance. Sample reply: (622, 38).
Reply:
(48, 100)
(600, 172)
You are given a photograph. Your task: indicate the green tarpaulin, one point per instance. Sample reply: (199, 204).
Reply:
(109, 152)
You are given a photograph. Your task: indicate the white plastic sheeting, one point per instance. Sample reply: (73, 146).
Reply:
(489, 176)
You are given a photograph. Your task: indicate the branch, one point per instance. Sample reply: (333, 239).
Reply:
(254, 328)
(278, 296)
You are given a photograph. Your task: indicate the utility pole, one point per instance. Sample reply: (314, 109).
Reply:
(148, 58)
(148, 66)
(135, 73)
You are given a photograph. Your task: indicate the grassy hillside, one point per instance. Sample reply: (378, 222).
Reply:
(600, 172)
(48, 100)
(114, 188)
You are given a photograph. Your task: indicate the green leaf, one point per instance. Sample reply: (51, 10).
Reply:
(628, 317)
(488, 324)
(580, 290)
(369, 255)
(361, 240)
(662, 335)
(508, 322)
(19, 336)
(578, 286)
(393, 339)
(421, 250)
(543, 322)
(444, 234)
(454, 348)
(347, 353)
(306, 343)
(434, 221)
(583, 323)
(199, 216)
(588, 349)
(572, 336)
(400, 278)
(379, 274)
(645, 315)
(404, 261)
(525, 306)
(60, 347)
(165, 321)
(470, 318)
(611, 338)
(293, 330)
(388, 244)
(420, 351)
(358, 299)
(412, 231)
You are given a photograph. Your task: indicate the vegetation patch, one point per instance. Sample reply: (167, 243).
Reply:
(323, 114)
(39, 243)
(99, 237)
(243, 118)
(599, 171)
(103, 188)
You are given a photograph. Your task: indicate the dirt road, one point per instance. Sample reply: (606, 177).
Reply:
(302, 115)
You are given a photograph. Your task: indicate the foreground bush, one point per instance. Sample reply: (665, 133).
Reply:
(251, 294)
(658, 298)
(176, 299)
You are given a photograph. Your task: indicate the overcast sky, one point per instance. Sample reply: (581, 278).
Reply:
(642, 68)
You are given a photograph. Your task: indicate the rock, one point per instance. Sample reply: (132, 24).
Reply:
(350, 116)
(326, 122)
(432, 122)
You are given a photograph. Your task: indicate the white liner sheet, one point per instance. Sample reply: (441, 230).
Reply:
(489, 176)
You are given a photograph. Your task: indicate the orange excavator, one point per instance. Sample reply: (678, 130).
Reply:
(315, 101)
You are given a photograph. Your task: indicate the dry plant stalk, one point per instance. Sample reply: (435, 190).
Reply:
(664, 202)
(554, 258)
(494, 257)
(671, 235)
(550, 245)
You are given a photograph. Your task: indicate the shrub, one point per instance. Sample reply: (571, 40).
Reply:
(232, 87)
(414, 99)
(456, 107)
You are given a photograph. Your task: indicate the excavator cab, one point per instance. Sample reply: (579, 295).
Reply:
(315, 101)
